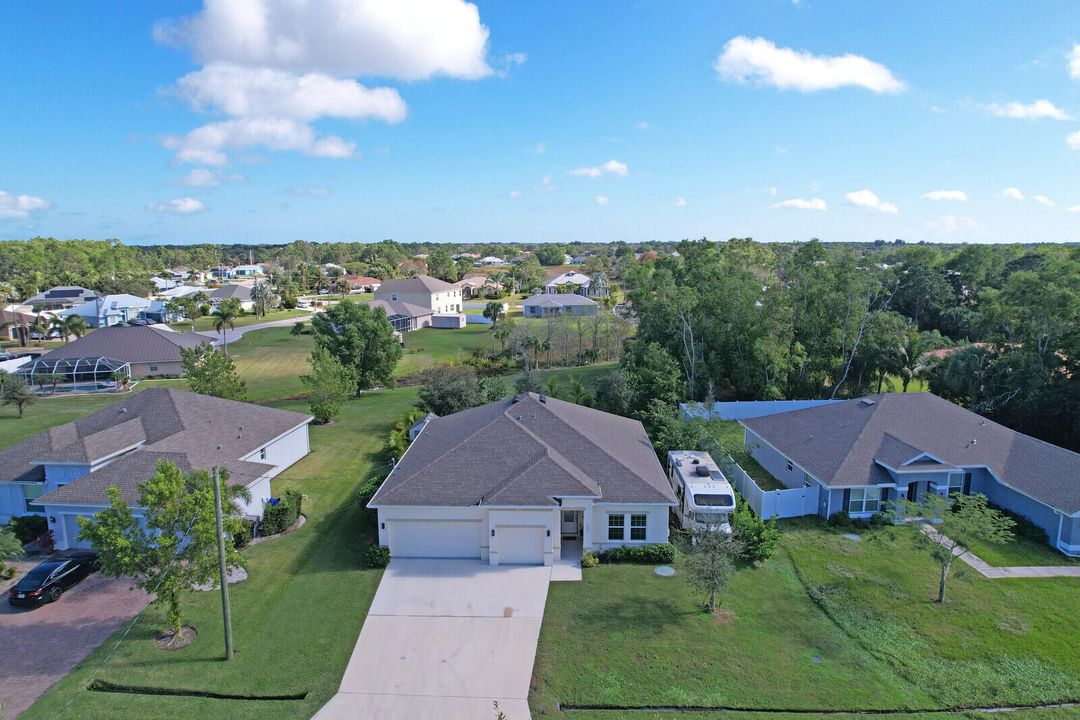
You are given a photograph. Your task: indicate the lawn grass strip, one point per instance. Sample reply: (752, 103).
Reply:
(817, 713)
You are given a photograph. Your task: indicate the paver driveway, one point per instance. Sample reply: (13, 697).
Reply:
(443, 639)
(42, 645)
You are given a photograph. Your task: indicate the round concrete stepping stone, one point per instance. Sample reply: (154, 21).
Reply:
(664, 570)
(854, 537)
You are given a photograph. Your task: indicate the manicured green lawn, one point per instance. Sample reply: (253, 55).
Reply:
(207, 323)
(1021, 551)
(826, 623)
(271, 361)
(295, 620)
(894, 384)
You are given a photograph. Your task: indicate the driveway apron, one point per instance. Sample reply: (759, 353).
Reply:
(445, 638)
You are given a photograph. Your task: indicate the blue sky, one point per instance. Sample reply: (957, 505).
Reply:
(438, 120)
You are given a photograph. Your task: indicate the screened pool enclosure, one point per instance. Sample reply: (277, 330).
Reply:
(76, 374)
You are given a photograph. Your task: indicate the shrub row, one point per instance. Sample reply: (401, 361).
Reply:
(845, 522)
(377, 556)
(279, 517)
(658, 554)
(28, 527)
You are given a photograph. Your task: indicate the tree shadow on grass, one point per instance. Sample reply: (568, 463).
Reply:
(637, 613)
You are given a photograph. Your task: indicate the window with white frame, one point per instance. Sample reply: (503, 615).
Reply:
(790, 466)
(864, 500)
(638, 526)
(616, 527)
(956, 483)
(262, 454)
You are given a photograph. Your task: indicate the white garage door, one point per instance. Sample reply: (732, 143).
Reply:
(521, 545)
(434, 539)
(71, 526)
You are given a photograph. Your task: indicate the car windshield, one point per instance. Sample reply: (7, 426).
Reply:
(714, 500)
(711, 518)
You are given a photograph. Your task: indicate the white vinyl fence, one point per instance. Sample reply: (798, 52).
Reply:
(794, 502)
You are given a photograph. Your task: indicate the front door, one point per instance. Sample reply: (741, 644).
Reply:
(913, 491)
(570, 525)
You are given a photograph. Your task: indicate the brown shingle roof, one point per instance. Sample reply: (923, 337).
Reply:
(196, 431)
(840, 444)
(527, 453)
(139, 343)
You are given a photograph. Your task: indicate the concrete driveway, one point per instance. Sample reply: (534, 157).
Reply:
(42, 645)
(445, 638)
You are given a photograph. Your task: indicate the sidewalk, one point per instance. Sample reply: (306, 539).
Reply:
(989, 571)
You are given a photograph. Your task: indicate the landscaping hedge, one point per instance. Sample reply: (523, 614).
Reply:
(279, 517)
(28, 527)
(377, 556)
(658, 554)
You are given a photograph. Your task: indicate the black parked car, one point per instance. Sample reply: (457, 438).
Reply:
(48, 581)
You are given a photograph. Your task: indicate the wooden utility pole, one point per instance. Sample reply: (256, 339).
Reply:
(222, 570)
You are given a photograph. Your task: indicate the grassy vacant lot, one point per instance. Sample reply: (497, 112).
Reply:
(826, 624)
(271, 361)
(295, 620)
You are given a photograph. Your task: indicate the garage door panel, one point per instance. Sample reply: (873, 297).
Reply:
(435, 539)
(521, 545)
(71, 526)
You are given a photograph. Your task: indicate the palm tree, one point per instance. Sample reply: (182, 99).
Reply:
(73, 325)
(225, 319)
(578, 394)
(41, 327)
(493, 311)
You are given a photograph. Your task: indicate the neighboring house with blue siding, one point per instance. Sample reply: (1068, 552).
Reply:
(862, 454)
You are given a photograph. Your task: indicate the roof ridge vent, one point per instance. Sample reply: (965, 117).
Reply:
(869, 401)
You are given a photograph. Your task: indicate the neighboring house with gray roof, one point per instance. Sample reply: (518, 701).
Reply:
(554, 305)
(64, 472)
(60, 298)
(580, 283)
(863, 453)
(146, 350)
(511, 482)
(423, 291)
(403, 316)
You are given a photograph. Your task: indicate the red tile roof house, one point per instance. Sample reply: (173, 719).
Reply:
(863, 453)
(519, 481)
(64, 472)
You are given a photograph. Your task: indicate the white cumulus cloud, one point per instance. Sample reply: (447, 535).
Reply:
(179, 206)
(1073, 140)
(956, 195)
(602, 200)
(801, 204)
(20, 206)
(1043, 200)
(1012, 194)
(274, 67)
(1073, 209)
(680, 202)
(514, 193)
(759, 60)
(867, 199)
(403, 39)
(611, 167)
(1074, 62)
(1032, 111)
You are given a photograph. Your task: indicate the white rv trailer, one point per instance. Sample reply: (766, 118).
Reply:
(704, 495)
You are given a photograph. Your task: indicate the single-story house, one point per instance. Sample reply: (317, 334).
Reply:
(863, 453)
(405, 317)
(476, 285)
(579, 260)
(489, 260)
(575, 282)
(517, 480)
(424, 291)
(108, 310)
(247, 271)
(64, 472)
(182, 291)
(554, 305)
(60, 297)
(140, 351)
(333, 269)
(362, 283)
(238, 292)
(15, 324)
(161, 284)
